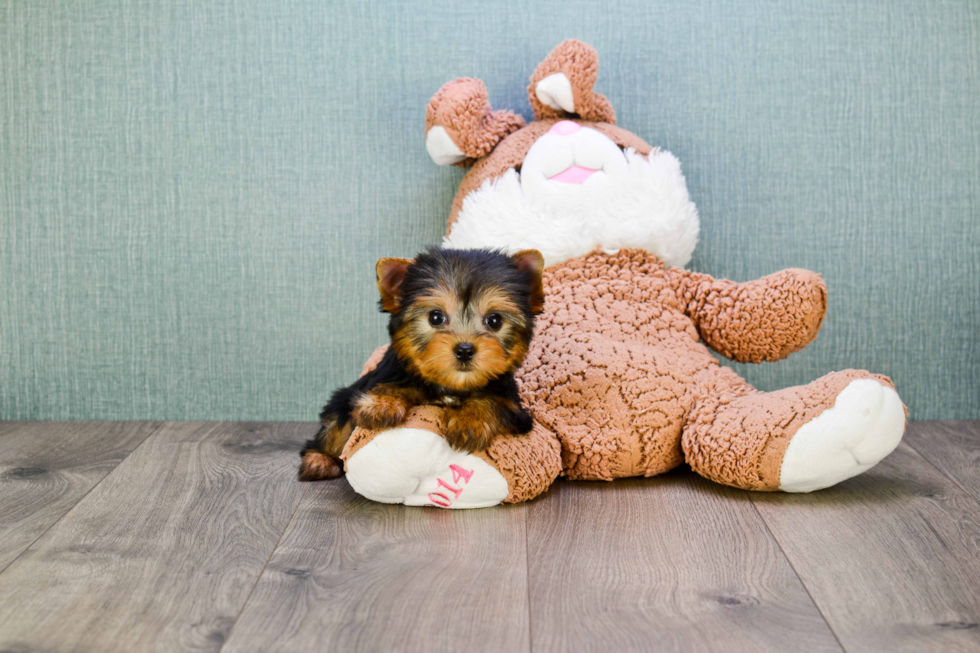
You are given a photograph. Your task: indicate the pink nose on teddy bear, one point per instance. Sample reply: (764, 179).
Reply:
(564, 128)
(574, 174)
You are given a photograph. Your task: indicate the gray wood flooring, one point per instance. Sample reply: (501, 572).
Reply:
(196, 537)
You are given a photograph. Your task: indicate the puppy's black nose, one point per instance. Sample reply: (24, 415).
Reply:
(464, 351)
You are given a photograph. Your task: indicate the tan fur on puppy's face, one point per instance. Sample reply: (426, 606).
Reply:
(430, 348)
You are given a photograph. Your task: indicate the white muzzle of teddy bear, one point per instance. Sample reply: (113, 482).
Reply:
(578, 191)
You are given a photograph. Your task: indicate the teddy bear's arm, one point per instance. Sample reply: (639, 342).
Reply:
(763, 320)
(374, 359)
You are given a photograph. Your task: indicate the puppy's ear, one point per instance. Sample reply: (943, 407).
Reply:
(531, 261)
(391, 275)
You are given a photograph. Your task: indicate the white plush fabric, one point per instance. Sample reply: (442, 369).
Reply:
(864, 425)
(418, 468)
(441, 148)
(555, 91)
(632, 201)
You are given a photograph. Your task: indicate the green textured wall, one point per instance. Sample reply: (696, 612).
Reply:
(193, 194)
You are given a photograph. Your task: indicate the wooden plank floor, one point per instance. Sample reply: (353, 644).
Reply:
(196, 537)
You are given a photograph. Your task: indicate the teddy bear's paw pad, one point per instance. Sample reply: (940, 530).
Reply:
(555, 91)
(419, 468)
(864, 425)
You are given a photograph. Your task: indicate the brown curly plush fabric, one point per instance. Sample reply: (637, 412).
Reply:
(617, 366)
(530, 463)
(580, 64)
(374, 359)
(462, 109)
(735, 319)
(619, 375)
(737, 435)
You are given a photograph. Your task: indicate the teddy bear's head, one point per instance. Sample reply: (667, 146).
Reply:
(566, 184)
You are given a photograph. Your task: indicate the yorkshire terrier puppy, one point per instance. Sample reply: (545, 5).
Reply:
(461, 322)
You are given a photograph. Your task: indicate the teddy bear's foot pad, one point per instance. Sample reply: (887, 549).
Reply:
(419, 468)
(864, 425)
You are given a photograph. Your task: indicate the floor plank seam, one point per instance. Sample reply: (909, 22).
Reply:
(82, 498)
(258, 578)
(944, 473)
(797, 574)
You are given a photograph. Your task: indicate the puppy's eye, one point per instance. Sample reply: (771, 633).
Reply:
(437, 318)
(493, 321)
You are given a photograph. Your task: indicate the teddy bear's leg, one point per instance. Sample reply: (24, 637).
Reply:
(616, 407)
(413, 464)
(798, 439)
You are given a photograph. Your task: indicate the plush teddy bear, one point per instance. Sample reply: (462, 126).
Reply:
(619, 376)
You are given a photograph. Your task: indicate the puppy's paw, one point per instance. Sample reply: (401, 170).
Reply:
(375, 410)
(469, 430)
(317, 466)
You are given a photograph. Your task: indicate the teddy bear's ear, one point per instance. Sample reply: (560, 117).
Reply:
(391, 275)
(561, 85)
(460, 126)
(531, 261)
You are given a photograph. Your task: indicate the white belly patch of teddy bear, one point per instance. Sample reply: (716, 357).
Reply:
(578, 191)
